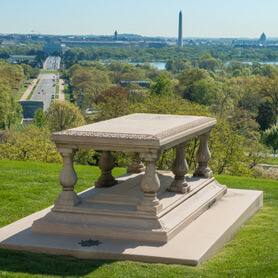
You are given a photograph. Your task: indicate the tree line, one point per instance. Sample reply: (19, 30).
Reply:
(242, 97)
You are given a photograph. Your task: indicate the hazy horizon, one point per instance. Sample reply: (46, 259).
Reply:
(157, 18)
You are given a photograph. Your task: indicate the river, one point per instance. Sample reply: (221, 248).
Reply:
(161, 65)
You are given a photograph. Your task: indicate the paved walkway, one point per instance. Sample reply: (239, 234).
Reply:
(30, 88)
(45, 63)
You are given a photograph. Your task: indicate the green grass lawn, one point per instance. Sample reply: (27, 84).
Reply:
(66, 93)
(27, 187)
(17, 95)
(49, 71)
(57, 91)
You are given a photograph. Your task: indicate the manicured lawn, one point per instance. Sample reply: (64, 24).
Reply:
(27, 187)
(66, 93)
(17, 96)
(57, 91)
(49, 71)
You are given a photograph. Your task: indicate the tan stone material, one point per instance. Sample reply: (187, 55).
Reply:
(149, 215)
(180, 168)
(136, 165)
(106, 165)
(194, 245)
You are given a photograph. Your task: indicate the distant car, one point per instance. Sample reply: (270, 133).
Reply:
(52, 96)
(39, 92)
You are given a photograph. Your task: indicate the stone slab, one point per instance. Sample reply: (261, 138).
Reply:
(135, 132)
(193, 245)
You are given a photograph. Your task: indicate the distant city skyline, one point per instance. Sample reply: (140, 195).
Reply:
(156, 18)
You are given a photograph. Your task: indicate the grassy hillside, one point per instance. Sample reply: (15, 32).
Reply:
(27, 187)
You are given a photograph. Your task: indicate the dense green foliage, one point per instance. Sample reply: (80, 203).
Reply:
(186, 53)
(11, 79)
(270, 137)
(242, 97)
(30, 143)
(252, 252)
(63, 115)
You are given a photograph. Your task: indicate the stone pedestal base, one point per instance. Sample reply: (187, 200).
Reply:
(179, 186)
(67, 198)
(193, 245)
(124, 212)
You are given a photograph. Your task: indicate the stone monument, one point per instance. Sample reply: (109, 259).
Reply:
(144, 215)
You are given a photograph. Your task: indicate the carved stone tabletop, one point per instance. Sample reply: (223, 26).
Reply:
(135, 132)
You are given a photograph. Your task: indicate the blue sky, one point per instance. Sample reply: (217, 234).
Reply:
(201, 18)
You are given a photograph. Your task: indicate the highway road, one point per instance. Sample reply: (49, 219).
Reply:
(46, 89)
(53, 63)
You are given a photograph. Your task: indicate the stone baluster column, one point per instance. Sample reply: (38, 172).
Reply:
(136, 165)
(106, 165)
(202, 157)
(68, 179)
(150, 184)
(179, 168)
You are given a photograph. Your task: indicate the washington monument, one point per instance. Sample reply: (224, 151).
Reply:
(180, 42)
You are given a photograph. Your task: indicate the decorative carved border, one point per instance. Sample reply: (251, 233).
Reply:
(158, 136)
(107, 135)
(188, 126)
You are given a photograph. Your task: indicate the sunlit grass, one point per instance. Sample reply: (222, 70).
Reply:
(27, 187)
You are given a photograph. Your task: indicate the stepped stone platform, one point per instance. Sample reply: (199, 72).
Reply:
(111, 212)
(194, 244)
(144, 215)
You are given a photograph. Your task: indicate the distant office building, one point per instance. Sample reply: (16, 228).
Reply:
(7, 43)
(21, 58)
(140, 83)
(30, 107)
(180, 42)
(262, 38)
(157, 44)
(116, 35)
(51, 48)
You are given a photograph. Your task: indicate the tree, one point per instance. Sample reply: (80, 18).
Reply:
(209, 63)
(91, 81)
(270, 137)
(203, 91)
(5, 105)
(63, 115)
(31, 144)
(227, 150)
(162, 86)
(266, 115)
(15, 113)
(40, 119)
(187, 80)
(179, 66)
(112, 103)
(29, 72)
(268, 89)
(169, 65)
(11, 76)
